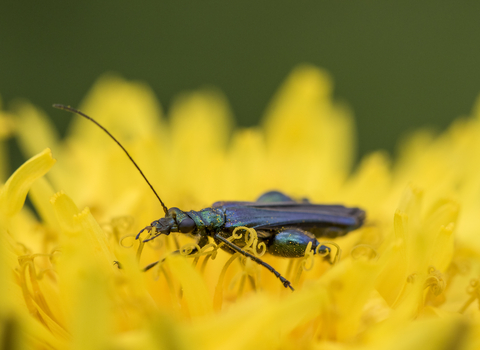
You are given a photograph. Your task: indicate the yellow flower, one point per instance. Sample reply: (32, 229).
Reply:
(409, 278)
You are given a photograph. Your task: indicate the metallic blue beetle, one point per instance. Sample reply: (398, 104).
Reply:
(285, 227)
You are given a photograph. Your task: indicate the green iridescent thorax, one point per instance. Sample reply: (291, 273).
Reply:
(209, 220)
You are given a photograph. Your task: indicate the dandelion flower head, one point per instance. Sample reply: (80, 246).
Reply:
(408, 278)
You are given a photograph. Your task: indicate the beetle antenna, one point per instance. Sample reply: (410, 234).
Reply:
(76, 111)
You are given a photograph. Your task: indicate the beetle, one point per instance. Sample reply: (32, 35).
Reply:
(285, 226)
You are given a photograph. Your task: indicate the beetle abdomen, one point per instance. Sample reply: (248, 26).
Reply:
(291, 243)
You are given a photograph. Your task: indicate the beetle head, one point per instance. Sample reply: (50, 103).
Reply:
(175, 221)
(164, 226)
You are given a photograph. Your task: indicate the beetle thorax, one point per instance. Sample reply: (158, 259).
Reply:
(209, 221)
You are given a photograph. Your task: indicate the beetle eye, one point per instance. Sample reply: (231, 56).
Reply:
(187, 225)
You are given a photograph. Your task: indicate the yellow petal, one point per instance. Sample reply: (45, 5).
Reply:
(35, 130)
(12, 195)
(195, 291)
(303, 117)
(91, 323)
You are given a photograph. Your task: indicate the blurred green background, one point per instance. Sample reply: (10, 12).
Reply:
(399, 65)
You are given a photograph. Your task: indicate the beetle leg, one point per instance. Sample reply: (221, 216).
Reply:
(143, 229)
(324, 250)
(149, 266)
(282, 279)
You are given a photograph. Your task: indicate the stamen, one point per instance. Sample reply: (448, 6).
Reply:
(337, 255)
(474, 290)
(29, 282)
(435, 281)
(308, 260)
(251, 240)
(118, 226)
(122, 239)
(364, 251)
(218, 296)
